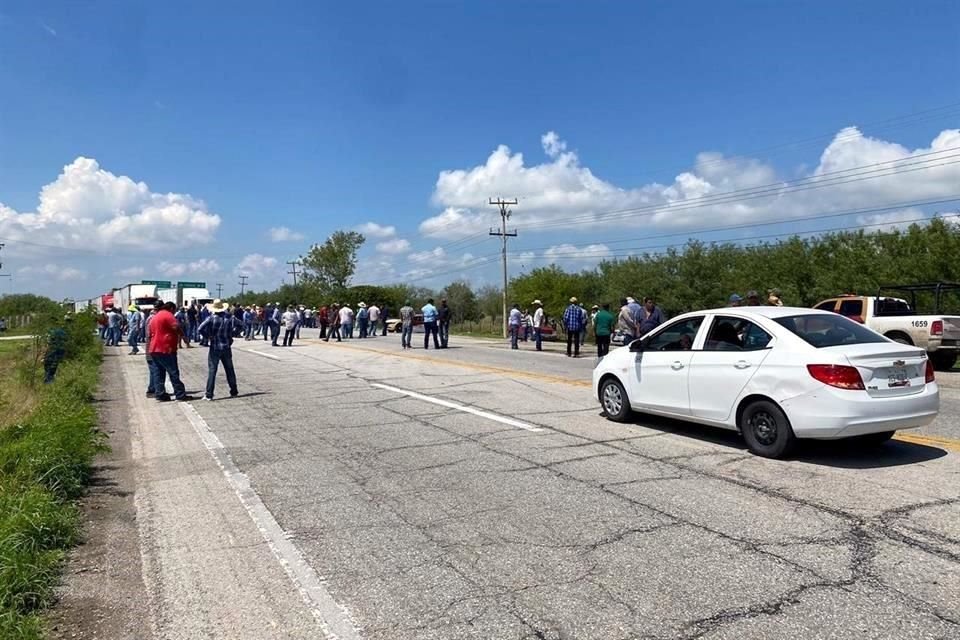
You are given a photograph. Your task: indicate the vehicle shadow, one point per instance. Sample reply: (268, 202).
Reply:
(842, 454)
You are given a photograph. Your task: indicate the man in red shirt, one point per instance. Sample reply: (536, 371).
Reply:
(165, 336)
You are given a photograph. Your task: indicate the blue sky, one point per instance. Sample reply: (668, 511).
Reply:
(319, 116)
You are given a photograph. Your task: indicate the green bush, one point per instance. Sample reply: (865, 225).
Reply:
(45, 463)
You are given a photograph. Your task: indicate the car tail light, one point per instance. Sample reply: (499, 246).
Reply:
(836, 375)
(936, 328)
(930, 377)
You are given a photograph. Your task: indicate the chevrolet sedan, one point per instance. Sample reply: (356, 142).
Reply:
(775, 374)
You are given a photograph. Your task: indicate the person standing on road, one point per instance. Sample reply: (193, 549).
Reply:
(603, 323)
(574, 319)
(373, 314)
(151, 365)
(183, 319)
(538, 324)
(430, 315)
(165, 335)
(625, 323)
(218, 330)
(134, 322)
(56, 351)
(406, 325)
(290, 321)
(333, 322)
(514, 322)
(384, 316)
(113, 327)
(651, 317)
(275, 319)
(323, 318)
(301, 318)
(192, 317)
(267, 316)
(248, 316)
(363, 319)
(346, 321)
(444, 315)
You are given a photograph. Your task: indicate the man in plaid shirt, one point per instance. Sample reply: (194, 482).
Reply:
(574, 321)
(218, 330)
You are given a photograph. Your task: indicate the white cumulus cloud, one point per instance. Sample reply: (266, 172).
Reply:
(131, 272)
(393, 247)
(284, 234)
(256, 265)
(179, 269)
(56, 272)
(588, 253)
(562, 193)
(374, 230)
(434, 255)
(90, 208)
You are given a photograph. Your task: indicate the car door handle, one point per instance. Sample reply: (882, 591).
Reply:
(743, 364)
(677, 365)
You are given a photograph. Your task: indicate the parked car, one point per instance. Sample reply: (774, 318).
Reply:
(897, 318)
(395, 325)
(775, 374)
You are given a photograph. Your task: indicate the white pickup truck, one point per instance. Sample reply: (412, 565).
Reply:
(897, 319)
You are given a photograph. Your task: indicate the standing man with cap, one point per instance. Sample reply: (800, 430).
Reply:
(134, 324)
(373, 314)
(275, 318)
(603, 322)
(406, 325)
(753, 298)
(735, 300)
(538, 324)
(291, 320)
(430, 315)
(574, 319)
(515, 321)
(218, 329)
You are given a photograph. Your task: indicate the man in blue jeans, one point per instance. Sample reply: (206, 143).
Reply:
(165, 337)
(430, 316)
(217, 330)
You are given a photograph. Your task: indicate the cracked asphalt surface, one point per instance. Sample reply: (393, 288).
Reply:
(429, 522)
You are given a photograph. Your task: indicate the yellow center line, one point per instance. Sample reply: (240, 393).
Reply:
(950, 444)
(469, 365)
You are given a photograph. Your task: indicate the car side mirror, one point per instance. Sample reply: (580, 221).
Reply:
(636, 346)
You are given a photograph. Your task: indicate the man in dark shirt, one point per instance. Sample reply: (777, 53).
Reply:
(218, 331)
(444, 317)
(651, 317)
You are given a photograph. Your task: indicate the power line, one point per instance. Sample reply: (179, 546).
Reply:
(504, 216)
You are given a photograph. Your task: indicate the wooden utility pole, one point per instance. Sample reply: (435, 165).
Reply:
(220, 290)
(293, 270)
(504, 216)
(243, 284)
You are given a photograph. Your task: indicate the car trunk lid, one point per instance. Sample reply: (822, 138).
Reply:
(888, 369)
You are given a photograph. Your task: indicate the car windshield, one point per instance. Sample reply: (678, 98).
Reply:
(828, 330)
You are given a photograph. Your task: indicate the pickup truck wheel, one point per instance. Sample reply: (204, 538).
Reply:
(901, 338)
(943, 360)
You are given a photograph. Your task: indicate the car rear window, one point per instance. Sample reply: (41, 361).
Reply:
(828, 330)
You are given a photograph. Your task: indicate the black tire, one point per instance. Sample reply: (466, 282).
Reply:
(875, 439)
(766, 429)
(614, 400)
(900, 338)
(943, 360)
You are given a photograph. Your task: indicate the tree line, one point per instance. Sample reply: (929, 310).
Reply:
(697, 276)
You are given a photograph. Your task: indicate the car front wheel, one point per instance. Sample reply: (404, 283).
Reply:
(613, 399)
(766, 429)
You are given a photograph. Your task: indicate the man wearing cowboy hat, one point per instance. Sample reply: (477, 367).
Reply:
(217, 331)
(574, 321)
(538, 324)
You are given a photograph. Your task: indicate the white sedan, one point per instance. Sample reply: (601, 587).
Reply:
(774, 374)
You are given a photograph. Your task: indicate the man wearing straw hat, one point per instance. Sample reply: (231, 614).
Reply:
(217, 330)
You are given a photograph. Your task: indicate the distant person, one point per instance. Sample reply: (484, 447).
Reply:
(406, 325)
(193, 316)
(323, 319)
(301, 320)
(574, 319)
(603, 323)
(56, 351)
(346, 321)
(363, 319)
(290, 320)
(332, 323)
(114, 320)
(526, 324)
(625, 323)
(514, 323)
(183, 319)
(444, 315)
(3, 324)
(774, 298)
(134, 324)
(753, 298)
(651, 316)
(374, 314)
(165, 335)
(538, 324)
(430, 315)
(248, 317)
(218, 330)
(384, 316)
(276, 316)
(735, 300)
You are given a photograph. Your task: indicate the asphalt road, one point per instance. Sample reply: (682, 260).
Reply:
(358, 491)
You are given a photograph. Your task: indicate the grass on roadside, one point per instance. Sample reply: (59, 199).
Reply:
(46, 454)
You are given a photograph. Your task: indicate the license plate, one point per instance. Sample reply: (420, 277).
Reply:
(898, 378)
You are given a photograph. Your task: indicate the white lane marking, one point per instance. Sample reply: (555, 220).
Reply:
(334, 619)
(260, 353)
(460, 407)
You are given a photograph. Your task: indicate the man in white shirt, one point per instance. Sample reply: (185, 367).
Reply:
(291, 318)
(538, 324)
(346, 321)
(373, 312)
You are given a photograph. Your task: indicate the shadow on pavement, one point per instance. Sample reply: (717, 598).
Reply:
(843, 454)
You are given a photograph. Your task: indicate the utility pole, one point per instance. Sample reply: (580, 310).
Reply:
(243, 284)
(504, 215)
(293, 270)
(220, 290)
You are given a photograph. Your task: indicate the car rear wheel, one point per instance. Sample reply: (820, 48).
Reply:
(766, 429)
(875, 439)
(613, 399)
